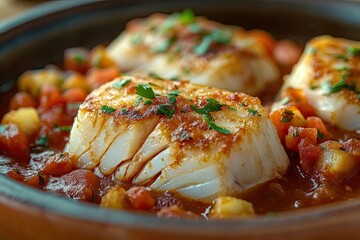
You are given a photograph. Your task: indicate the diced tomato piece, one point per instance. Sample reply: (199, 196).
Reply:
(309, 155)
(56, 116)
(14, 143)
(352, 146)
(22, 99)
(286, 53)
(74, 95)
(296, 98)
(50, 96)
(37, 181)
(283, 118)
(265, 38)
(81, 184)
(296, 134)
(140, 198)
(54, 137)
(15, 174)
(315, 122)
(77, 59)
(96, 76)
(58, 164)
(175, 212)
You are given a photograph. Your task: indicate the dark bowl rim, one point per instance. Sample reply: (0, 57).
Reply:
(26, 196)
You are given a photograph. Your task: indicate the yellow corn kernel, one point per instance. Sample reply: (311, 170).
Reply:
(32, 81)
(26, 119)
(231, 207)
(115, 198)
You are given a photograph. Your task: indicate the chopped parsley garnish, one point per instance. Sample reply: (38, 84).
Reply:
(328, 88)
(164, 45)
(42, 141)
(147, 102)
(124, 111)
(138, 101)
(79, 58)
(172, 99)
(320, 135)
(354, 51)
(64, 128)
(285, 101)
(203, 47)
(212, 105)
(341, 56)
(253, 112)
(174, 78)
(121, 84)
(189, 99)
(217, 35)
(107, 109)
(175, 93)
(195, 28)
(287, 116)
(232, 108)
(145, 90)
(154, 75)
(3, 129)
(220, 36)
(187, 16)
(166, 110)
(137, 39)
(213, 125)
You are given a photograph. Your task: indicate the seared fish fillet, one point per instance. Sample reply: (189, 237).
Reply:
(328, 73)
(198, 141)
(199, 50)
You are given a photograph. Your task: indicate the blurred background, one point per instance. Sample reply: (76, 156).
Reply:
(9, 8)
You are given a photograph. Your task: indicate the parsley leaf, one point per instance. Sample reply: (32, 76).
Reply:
(154, 75)
(107, 109)
(145, 90)
(212, 105)
(287, 116)
(165, 110)
(137, 102)
(64, 128)
(175, 93)
(187, 16)
(3, 129)
(354, 51)
(320, 135)
(341, 56)
(147, 102)
(42, 141)
(253, 112)
(216, 127)
(121, 84)
(232, 108)
(203, 47)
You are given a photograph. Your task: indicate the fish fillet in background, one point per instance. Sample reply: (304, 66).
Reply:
(181, 46)
(328, 74)
(198, 141)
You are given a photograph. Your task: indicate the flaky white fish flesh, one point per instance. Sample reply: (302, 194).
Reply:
(328, 74)
(197, 141)
(201, 51)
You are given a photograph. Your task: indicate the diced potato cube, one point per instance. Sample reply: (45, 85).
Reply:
(336, 163)
(27, 119)
(32, 81)
(231, 207)
(75, 81)
(115, 198)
